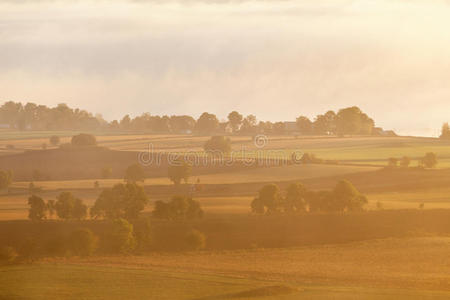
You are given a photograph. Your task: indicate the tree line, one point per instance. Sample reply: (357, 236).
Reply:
(31, 116)
(299, 199)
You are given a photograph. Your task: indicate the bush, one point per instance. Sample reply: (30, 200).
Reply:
(121, 238)
(84, 139)
(82, 242)
(179, 170)
(219, 144)
(195, 240)
(143, 233)
(6, 178)
(134, 173)
(178, 208)
(7, 255)
(429, 160)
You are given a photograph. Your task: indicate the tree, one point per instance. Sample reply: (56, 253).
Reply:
(178, 208)
(68, 207)
(134, 173)
(429, 160)
(38, 208)
(125, 123)
(249, 125)
(352, 120)
(121, 237)
(325, 124)
(305, 126)
(207, 123)
(295, 198)
(235, 120)
(6, 178)
(347, 197)
(179, 170)
(195, 240)
(54, 140)
(218, 143)
(121, 201)
(82, 242)
(268, 200)
(182, 124)
(84, 139)
(445, 133)
(405, 162)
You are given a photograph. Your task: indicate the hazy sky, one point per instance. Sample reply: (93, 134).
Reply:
(274, 59)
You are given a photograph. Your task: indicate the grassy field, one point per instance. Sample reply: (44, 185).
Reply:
(379, 269)
(355, 150)
(397, 252)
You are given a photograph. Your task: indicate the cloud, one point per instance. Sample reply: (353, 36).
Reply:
(276, 59)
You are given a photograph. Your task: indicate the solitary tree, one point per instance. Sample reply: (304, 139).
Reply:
(38, 208)
(429, 160)
(121, 201)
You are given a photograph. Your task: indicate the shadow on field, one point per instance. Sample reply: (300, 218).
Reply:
(274, 290)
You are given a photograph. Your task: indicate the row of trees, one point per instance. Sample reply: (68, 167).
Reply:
(40, 117)
(298, 199)
(66, 207)
(428, 161)
(349, 120)
(122, 201)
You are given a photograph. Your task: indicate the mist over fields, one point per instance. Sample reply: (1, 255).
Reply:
(274, 59)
